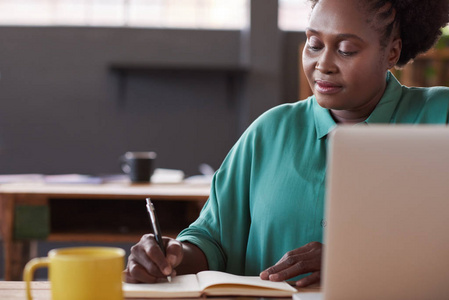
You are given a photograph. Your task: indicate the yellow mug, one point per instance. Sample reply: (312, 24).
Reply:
(87, 273)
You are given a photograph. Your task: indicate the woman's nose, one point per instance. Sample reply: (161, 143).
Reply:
(325, 63)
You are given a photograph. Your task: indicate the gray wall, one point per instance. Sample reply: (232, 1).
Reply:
(63, 109)
(72, 100)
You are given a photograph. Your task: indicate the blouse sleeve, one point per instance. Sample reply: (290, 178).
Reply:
(221, 230)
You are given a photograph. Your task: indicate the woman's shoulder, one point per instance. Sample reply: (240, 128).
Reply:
(284, 119)
(297, 112)
(280, 123)
(438, 94)
(427, 104)
(432, 95)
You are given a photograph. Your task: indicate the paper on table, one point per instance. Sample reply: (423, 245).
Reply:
(167, 176)
(14, 178)
(73, 178)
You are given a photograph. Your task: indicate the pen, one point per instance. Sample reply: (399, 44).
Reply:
(156, 228)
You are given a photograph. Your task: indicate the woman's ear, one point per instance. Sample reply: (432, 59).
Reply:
(394, 52)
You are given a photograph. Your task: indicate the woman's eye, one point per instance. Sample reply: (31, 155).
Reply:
(314, 48)
(347, 53)
(347, 49)
(314, 44)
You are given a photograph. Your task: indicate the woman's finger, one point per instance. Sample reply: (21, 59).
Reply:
(152, 255)
(296, 262)
(135, 273)
(300, 266)
(308, 280)
(174, 252)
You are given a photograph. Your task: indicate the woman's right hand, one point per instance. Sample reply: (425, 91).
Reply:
(147, 263)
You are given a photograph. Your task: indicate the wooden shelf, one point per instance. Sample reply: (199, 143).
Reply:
(89, 213)
(428, 69)
(93, 237)
(100, 237)
(437, 54)
(158, 67)
(122, 70)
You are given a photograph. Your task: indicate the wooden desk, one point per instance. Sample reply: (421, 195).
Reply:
(88, 213)
(11, 290)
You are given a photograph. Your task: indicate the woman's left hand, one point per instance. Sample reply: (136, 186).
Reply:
(302, 260)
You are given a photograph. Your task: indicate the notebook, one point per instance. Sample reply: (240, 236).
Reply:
(209, 283)
(387, 214)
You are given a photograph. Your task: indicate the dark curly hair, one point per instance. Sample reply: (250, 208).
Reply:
(419, 22)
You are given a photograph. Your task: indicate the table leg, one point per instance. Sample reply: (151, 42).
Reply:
(16, 253)
(6, 218)
(19, 256)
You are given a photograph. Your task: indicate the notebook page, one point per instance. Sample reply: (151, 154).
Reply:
(181, 286)
(210, 278)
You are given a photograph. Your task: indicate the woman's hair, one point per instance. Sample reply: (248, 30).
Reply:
(419, 22)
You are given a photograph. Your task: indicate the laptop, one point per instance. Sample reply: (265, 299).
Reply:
(387, 214)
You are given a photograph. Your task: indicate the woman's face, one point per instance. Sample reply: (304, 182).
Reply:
(343, 60)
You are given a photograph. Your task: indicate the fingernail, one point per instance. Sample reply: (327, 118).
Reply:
(274, 277)
(263, 274)
(171, 259)
(167, 271)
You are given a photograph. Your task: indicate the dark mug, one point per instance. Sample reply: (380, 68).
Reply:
(138, 165)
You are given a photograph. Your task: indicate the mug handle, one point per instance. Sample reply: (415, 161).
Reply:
(124, 165)
(30, 268)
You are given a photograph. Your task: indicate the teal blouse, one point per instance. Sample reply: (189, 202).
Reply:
(267, 198)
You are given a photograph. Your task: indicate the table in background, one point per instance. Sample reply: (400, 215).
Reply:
(88, 213)
(11, 290)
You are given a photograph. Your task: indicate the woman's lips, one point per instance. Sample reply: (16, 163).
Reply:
(327, 87)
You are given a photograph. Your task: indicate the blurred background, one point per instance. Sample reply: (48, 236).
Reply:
(84, 81)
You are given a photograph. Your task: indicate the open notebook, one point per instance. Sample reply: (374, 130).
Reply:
(210, 283)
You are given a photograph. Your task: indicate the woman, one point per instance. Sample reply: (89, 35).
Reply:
(265, 211)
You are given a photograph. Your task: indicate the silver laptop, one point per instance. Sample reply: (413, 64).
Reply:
(387, 214)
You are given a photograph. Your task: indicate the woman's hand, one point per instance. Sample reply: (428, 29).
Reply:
(302, 260)
(147, 263)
